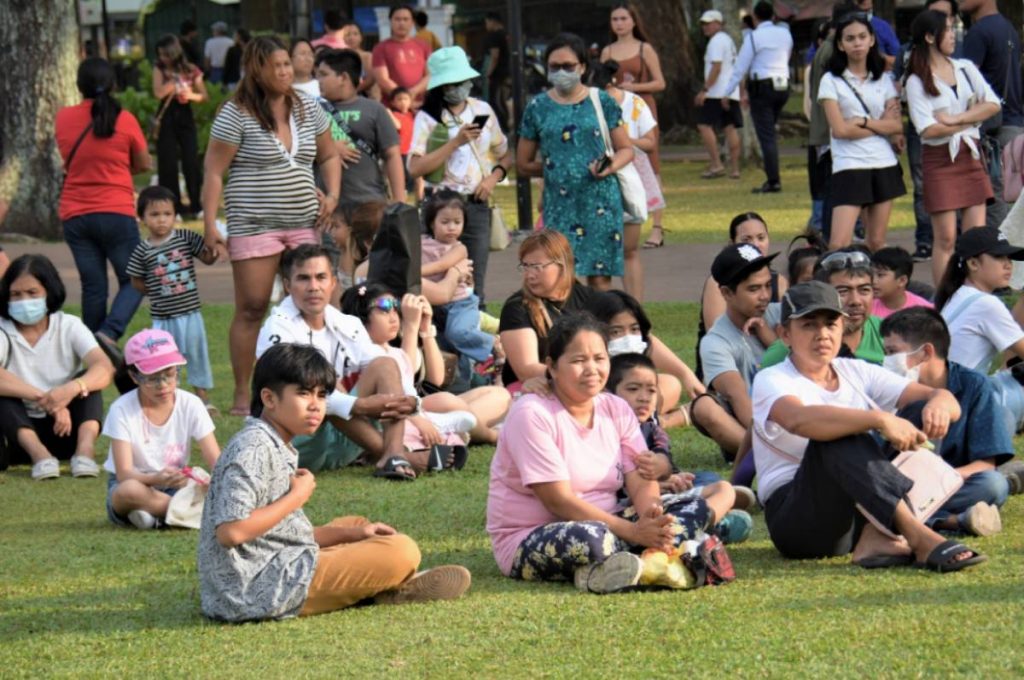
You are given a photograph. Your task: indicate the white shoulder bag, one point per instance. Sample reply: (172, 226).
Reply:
(634, 198)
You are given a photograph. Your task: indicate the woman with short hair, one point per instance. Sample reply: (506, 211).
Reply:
(50, 408)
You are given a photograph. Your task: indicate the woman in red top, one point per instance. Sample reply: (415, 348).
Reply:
(102, 147)
(177, 83)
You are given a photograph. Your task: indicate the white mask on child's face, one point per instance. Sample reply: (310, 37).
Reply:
(627, 344)
(897, 363)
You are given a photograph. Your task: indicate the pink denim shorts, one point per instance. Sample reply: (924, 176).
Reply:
(269, 243)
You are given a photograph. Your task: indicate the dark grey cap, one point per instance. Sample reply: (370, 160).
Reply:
(807, 298)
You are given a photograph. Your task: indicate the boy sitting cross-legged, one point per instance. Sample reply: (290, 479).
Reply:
(259, 555)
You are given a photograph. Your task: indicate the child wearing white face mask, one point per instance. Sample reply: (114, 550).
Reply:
(916, 344)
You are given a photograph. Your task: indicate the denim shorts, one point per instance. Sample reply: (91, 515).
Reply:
(122, 520)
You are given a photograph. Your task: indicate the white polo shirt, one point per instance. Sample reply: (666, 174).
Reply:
(869, 152)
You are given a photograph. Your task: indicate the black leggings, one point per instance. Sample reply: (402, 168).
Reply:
(815, 514)
(14, 417)
(178, 133)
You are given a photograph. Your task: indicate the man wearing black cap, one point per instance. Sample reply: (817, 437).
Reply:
(733, 347)
(849, 272)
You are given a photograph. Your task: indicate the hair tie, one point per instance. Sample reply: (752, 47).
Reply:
(361, 291)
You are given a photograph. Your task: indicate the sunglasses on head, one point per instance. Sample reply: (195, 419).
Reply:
(386, 305)
(843, 260)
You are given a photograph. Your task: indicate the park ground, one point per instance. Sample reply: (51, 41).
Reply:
(79, 597)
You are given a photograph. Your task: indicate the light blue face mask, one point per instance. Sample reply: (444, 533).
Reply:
(456, 94)
(564, 81)
(27, 312)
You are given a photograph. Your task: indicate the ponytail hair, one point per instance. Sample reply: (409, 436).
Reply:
(96, 82)
(952, 279)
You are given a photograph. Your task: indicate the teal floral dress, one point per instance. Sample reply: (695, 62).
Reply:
(587, 211)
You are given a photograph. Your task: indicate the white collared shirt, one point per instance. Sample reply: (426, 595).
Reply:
(765, 54)
(970, 87)
(721, 50)
(345, 343)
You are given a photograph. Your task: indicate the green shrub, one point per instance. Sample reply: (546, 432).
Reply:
(144, 106)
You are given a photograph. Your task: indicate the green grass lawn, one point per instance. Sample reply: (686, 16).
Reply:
(80, 597)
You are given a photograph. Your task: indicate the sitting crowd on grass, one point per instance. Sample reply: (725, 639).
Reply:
(816, 387)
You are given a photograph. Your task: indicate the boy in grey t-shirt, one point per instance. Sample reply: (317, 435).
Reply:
(259, 555)
(731, 351)
(363, 130)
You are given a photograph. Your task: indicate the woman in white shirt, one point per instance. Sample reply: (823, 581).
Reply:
(948, 100)
(302, 65)
(815, 456)
(863, 112)
(49, 407)
(980, 326)
(643, 133)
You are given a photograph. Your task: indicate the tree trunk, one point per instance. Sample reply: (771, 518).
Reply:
(668, 32)
(39, 67)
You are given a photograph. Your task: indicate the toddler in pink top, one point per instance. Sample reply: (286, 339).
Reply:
(893, 268)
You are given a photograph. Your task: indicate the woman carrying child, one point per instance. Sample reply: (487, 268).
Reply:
(151, 432)
(863, 111)
(469, 154)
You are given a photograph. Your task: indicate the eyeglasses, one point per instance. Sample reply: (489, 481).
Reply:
(859, 17)
(569, 68)
(535, 268)
(386, 305)
(843, 260)
(157, 379)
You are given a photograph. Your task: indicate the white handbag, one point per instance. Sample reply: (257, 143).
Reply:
(186, 507)
(634, 198)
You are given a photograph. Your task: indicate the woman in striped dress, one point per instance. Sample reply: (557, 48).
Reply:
(268, 136)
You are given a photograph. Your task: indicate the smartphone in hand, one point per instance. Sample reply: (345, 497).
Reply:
(603, 164)
(481, 120)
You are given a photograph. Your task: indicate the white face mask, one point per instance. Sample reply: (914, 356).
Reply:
(627, 344)
(897, 363)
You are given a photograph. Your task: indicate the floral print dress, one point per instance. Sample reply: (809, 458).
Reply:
(587, 211)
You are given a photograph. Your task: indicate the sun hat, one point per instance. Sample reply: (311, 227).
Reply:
(711, 15)
(986, 240)
(448, 66)
(807, 298)
(151, 351)
(736, 262)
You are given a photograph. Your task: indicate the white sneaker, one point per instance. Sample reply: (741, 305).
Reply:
(141, 519)
(452, 422)
(84, 467)
(47, 468)
(620, 571)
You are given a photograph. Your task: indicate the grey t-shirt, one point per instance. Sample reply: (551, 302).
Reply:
(726, 348)
(268, 577)
(372, 127)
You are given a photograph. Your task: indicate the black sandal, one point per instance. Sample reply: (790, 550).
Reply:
(942, 559)
(650, 243)
(390, 470)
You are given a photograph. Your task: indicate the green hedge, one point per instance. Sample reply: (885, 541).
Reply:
(144, 105)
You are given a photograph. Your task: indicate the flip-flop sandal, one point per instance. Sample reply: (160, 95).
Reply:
(942, 559)
(734, 175)
(712, 174)
(885, 561)
(390, 470)
(436, 459)
(461, 456)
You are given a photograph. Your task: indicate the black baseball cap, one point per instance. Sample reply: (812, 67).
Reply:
(736, 262)
(989, 241)
(807, 298)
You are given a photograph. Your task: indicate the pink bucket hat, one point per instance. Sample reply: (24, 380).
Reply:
(151, 351)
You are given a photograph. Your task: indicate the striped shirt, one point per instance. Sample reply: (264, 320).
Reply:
(169, 272)
(270, 187)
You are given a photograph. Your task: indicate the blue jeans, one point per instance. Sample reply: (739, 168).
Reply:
(94, 239)
(462, 329)
(989, 487)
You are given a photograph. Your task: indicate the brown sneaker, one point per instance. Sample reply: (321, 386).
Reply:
(440, 583)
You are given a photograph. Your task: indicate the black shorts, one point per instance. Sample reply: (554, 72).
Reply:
(714, 115)
(867, 187)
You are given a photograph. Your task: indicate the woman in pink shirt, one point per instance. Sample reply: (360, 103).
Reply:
(552, 511)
